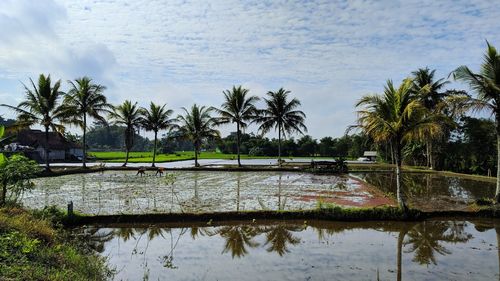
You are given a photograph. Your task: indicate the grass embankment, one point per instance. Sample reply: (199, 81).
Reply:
(33, 248)
(147, 157)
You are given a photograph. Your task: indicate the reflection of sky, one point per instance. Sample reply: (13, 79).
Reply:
(180, 52)
(350, 253)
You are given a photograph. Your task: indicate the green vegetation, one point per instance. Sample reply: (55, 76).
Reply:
(239, 109)
(486, 85)
(85, 99)
(197, 125)
(15, 174)
(128, 115)
(154, 119)
(31, 248)
(282, 115)
(41, 106)
(397, 117)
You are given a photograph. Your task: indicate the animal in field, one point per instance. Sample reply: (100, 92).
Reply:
(141, 172)
(160, 171)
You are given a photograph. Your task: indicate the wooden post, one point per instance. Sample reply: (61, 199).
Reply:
(70, 210)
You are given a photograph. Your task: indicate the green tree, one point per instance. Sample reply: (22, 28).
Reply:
(154, 119)
(397, 116)
(197, 125)
(85, 99)
(282, 115)
(41, 106)
(15, 175)
(486, 85)
(127, 114)
(237, 108)
(433, 99)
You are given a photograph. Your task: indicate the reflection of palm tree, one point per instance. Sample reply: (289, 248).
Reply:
(238, 182)
(425, 239)
(237, 238)
(125, 233)
(279, 236)
(96, 237)
(200, 231)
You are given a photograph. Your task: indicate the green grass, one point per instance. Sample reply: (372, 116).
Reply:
(145, 157)
(32, 248)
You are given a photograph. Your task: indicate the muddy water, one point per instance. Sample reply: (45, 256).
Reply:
(433, 191)
(116, 192)
(429, 250)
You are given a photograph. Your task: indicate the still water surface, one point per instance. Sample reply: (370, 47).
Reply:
(297, 250)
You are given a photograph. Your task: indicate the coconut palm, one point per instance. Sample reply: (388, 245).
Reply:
(397, 116)
(84, 100)
(197, 125)
(41, 106)
(128, 115)
(282, 115)
(486, 85)
(432, 98)
(237, 108)
(154, 119)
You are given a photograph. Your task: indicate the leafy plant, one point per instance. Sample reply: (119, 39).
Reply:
(16, 173)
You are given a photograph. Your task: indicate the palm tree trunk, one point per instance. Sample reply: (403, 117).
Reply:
(238, 142)
(84, 158)
(47, 165)
(399, 192)
(154, 148)
(126, 157)
(196, 154)
(497, 192)
(279, 145)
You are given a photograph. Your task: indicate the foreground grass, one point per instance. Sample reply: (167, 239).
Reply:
(32, 248)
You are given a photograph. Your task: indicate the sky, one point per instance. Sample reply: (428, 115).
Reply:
(327, 53)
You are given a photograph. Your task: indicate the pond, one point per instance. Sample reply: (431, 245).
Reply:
(431, 191)
(298, 250)
(117, 192)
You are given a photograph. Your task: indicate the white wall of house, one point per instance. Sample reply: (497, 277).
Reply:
(77, 152)
(53, 154)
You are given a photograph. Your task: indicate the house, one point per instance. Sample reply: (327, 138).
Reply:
(60, 149)
(371, 155)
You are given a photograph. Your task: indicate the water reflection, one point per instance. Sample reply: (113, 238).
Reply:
(319, 250)
(432, 191)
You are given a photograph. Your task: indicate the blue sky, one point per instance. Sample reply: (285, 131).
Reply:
(328, 53)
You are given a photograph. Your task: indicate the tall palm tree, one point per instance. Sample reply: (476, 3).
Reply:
(486, 85)
(282, 115)
(154, 119)
(84, 100)
(397, 116)
(41, 106)
(432, 98)
(129, 115)
(197, 126)
(237, 108)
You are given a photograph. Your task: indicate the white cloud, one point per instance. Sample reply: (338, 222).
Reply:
(328, 53)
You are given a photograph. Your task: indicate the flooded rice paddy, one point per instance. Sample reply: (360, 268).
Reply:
(117, 192)
(296, 250)
(432, 191)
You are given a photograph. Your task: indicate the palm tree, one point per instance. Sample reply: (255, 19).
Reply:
(197, 125)
(127, 114)
(41, 106)
(237, 108)
(486, 85)
(281, 115)
(85, 99)
(432, 98)
(154, 119)
(397, 116)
